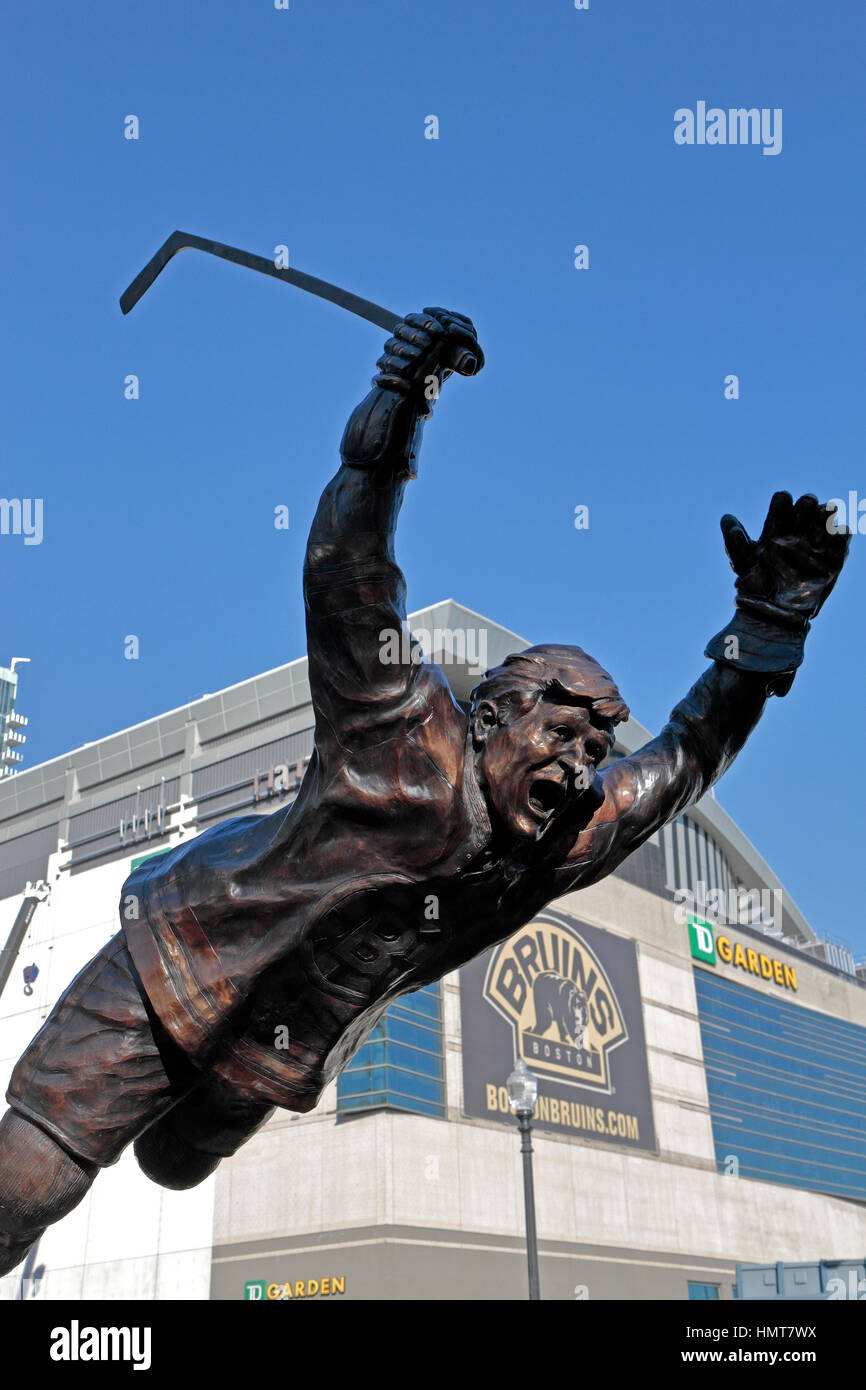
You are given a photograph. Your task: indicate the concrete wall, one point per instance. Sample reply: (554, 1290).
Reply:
(411, 1207)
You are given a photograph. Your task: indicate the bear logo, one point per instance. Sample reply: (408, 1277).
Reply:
(559, 1001)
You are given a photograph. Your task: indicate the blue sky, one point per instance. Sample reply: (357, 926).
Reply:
(604, 387)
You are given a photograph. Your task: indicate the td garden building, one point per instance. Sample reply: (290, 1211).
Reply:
(700, 1053)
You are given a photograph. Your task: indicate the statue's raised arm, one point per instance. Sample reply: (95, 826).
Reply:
(783, 580)
(361, 671)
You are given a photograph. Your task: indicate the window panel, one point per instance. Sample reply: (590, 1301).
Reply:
(414, 1034)
(361, 1079)
(405, 1083)
(787, 1088)
(413, 1059)
(403, 1066)
(421, 1002)
(363, 1102)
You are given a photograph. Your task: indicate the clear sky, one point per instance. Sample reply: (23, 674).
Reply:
(603, 387)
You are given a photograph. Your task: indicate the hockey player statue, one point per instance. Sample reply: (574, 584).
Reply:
(252, 961)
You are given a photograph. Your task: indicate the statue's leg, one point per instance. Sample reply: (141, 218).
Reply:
(39, 1183)
(186, 1145)
(98, 1072)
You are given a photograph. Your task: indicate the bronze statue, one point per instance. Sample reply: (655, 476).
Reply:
(254, 960)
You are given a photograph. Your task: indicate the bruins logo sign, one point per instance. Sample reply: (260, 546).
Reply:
(555, 994)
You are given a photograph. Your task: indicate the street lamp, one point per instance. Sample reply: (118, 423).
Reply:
(522, 1095)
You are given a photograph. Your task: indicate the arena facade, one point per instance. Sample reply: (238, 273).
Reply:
(701, 1054)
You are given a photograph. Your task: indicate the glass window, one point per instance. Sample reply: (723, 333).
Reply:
(401, 1063)
(369, 1101)
(787, 1089)
(423, 1004)
(703, 1290)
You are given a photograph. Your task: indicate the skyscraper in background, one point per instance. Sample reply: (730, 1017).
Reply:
(11, 723)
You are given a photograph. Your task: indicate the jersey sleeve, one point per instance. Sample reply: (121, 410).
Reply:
(367, 679)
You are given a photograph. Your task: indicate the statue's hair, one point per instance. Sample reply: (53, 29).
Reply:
(563, 675)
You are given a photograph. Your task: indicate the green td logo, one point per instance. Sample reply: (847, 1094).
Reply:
(701, 940)
(254, 1289)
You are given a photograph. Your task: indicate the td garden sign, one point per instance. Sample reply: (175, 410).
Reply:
(565, 997)
(705, 947)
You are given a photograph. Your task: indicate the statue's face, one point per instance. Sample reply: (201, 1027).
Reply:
(536, 765)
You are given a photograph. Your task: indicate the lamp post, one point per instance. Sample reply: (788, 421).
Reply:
(522, 1095)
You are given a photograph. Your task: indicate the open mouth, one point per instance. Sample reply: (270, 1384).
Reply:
(545, 796)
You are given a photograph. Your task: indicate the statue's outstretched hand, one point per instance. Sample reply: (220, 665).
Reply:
(425, 349)
(783, 579)
(792, 568)
(384, 431)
